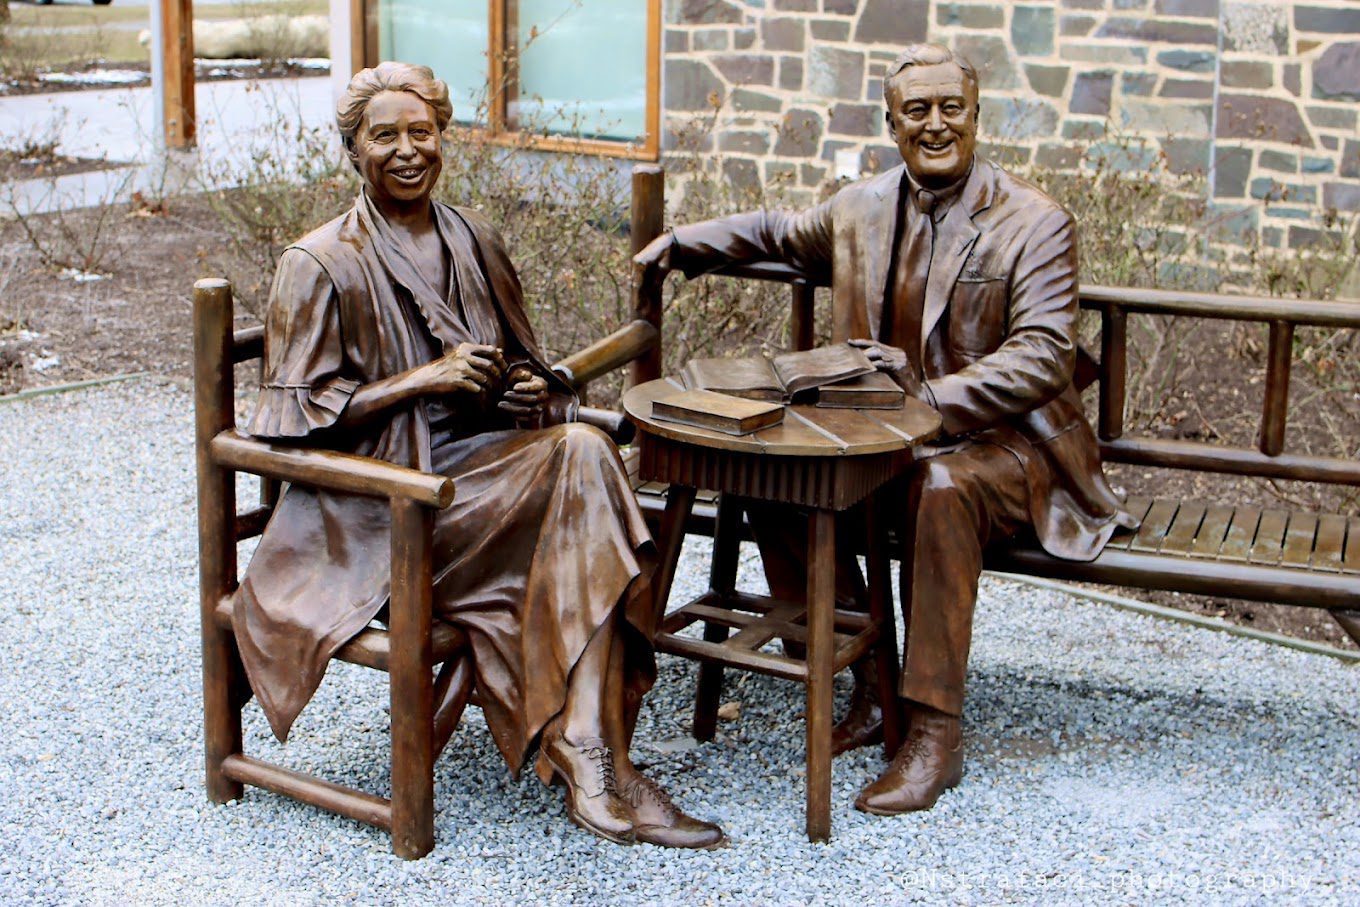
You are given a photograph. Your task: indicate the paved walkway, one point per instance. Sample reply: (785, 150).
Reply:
(1111, 757)
(238, 121)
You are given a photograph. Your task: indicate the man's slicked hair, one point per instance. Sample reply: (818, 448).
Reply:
(927, 55)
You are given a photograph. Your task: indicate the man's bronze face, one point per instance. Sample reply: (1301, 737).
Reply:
(396, 149)
(932, 116)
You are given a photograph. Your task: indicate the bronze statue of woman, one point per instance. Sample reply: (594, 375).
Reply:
(397, 331)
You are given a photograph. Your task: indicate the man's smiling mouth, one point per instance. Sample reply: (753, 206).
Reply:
(408, 173)
(937, 146)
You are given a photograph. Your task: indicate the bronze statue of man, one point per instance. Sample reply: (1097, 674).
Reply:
(959, 280)
(397, 331)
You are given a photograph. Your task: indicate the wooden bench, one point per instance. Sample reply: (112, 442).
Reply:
(1214, 548)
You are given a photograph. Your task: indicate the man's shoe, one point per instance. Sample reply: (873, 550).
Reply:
(929, 763)
(657, 820)
(863, 722)
(593, 800)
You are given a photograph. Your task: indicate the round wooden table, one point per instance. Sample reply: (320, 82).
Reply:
(822, 460)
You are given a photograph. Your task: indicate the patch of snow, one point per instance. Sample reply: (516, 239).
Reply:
(80, 276)
(46, 362)
(97, 77)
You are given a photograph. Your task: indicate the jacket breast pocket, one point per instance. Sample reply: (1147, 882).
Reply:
(977, 314)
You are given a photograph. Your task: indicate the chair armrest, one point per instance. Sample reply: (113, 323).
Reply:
(330, 470)
(616, 425)
(608, 353)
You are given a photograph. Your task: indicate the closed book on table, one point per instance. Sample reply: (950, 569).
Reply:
(876, 391)
(719, 412)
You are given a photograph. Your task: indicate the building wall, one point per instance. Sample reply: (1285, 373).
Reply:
(1259, 96)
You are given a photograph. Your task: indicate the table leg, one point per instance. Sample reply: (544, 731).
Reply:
(679, 503)
(881, 611)
(722, 579)
(821, 604)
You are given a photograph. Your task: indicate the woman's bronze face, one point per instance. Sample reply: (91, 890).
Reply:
(396, 149)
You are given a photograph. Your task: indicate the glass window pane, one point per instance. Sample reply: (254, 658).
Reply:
(582, 67)
(449, 37)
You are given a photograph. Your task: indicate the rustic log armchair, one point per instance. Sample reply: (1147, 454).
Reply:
(425, 706)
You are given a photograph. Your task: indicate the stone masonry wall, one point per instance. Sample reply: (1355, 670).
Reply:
(1259, 96)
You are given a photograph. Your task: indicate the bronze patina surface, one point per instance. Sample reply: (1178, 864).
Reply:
(397, 331)
(960, 280)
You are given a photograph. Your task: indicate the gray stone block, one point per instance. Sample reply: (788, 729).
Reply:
(1091, 93)
(1129, 5)
(877, 158)
(834, 72)
(1160, 31)
(865, 120)
(1138, 84)
(746, 100)
(796, 6)
(1179, 120)
(1292, 79)
(1342, 118)
(1005, 155)
(704, 12)
(1232, 166)
(992, 60)
(742, 174)
(899, 22)
(744, 142)
(1032, 30)
(799, 134)
(1083, 130)
(970, 15)
(1076, 26)
(1057, 157)
(783, 34)
(1190, 9)
(840, 7)
(830, 30)
(1329, 142)
(743, 38)
(1336, 74)
(1187, 60)
(1279, 161)
(677, 40)
(1185, 156)
(1350, 159)
(791, 73)
(1327, 20)
(1013, 119)
(1246, 74)
(1113, 54)
(690, 85)
(1047, 80)
(746, 69)
(1321, 165)
(1195, 89)
(811, 175)
(1243, 116)
(710, 39)
(1341, 196)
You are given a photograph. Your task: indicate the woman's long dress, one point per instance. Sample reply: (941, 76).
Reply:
(544, 539)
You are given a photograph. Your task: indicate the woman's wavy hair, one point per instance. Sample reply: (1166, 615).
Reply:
(390, 76)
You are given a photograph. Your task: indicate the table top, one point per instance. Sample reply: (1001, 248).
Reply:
(806, 430)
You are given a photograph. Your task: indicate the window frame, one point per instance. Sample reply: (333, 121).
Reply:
(364, 52)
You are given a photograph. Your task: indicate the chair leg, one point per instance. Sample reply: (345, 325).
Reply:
(411, 682)
(722, 579)
(221, 712)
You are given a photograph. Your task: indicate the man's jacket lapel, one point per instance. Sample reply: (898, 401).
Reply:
(955, 236)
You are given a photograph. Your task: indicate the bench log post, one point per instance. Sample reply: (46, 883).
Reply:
(647, 220)
(1275, 408)
(1114, 351)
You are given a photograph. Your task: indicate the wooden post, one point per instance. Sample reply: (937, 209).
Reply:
(1275, 409)
(177, 66)
(821, 606)
(1114, 351)
(214, 412)
(412, 683)
(647, 220)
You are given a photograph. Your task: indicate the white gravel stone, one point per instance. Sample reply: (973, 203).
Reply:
(1111, 757)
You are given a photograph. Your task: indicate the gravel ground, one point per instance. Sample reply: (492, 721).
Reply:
(1111, 757)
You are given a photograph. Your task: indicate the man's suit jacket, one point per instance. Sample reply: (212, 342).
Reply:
(998, 322)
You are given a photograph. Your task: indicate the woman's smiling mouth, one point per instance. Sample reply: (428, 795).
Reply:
(408, 174)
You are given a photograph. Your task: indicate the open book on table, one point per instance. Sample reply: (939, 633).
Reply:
(836, 376)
